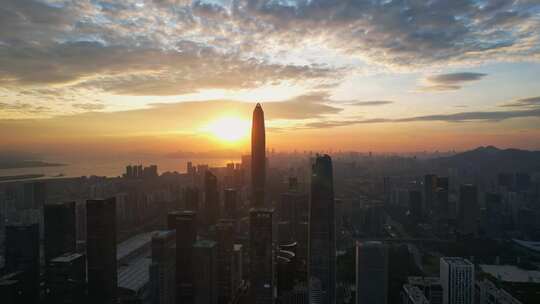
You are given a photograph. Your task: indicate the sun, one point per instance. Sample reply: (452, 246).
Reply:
(229, 129)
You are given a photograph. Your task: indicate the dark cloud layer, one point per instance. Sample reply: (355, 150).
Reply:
(139, 71)
(451, 81)
(524, 103)
(473, 116)
(405, 33)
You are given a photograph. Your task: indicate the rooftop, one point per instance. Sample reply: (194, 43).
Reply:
(457, 261)
(135, 274)
(534, 246)
(132, 244)
(424, 280)
(160, 234)
(415, 294)
(68, 257)
(510, 273)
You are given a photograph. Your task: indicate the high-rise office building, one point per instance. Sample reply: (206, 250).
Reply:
(60, 234)
(430, 287)
(468, 209)
(286, 273)
(302, 238)
(211, 199)
(163, 268)
(206, 276)
(258, 157)
(322, 238)
(261, 256)
(35, 195)
(192, 198)
(225, 246)
(371, 272)
(237, 266)
(185, 224)
(457, 280)
(413, 295)
(66, 278)
(22, 255)
(101, 250)
(293, 207)
(230, 209)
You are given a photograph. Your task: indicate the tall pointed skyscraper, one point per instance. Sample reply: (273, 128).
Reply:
(258, 157)
(322, 237)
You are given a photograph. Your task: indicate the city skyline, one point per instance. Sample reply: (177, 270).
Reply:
(317, 230)
(381, 76)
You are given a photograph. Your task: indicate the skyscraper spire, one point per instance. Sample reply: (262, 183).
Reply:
(258, 157)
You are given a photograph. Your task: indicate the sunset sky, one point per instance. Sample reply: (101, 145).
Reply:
(169, 75)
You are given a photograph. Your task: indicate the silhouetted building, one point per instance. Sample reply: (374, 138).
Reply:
(457, 280)
(293, 207)
(230, 209)
(468, 209)
(163, 268)
(35, 195)
(286, 273)
(185, 224)
(211, 199)
(237, 266)
(322, 238)
(22, 255)
(284, 232)
(261, 257)
(101, 250)
(371, 272)
(206, 276)
(66, 278)
(192, 198)
(374, 220)
(258, 157)
(60, 234)
(225, 245)
(401, 264)
(302, 238)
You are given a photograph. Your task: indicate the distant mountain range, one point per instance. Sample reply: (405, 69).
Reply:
(493, 160)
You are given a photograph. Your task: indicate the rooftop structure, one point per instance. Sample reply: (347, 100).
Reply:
(510, 273)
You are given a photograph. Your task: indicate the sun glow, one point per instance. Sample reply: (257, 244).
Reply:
(229, 129)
